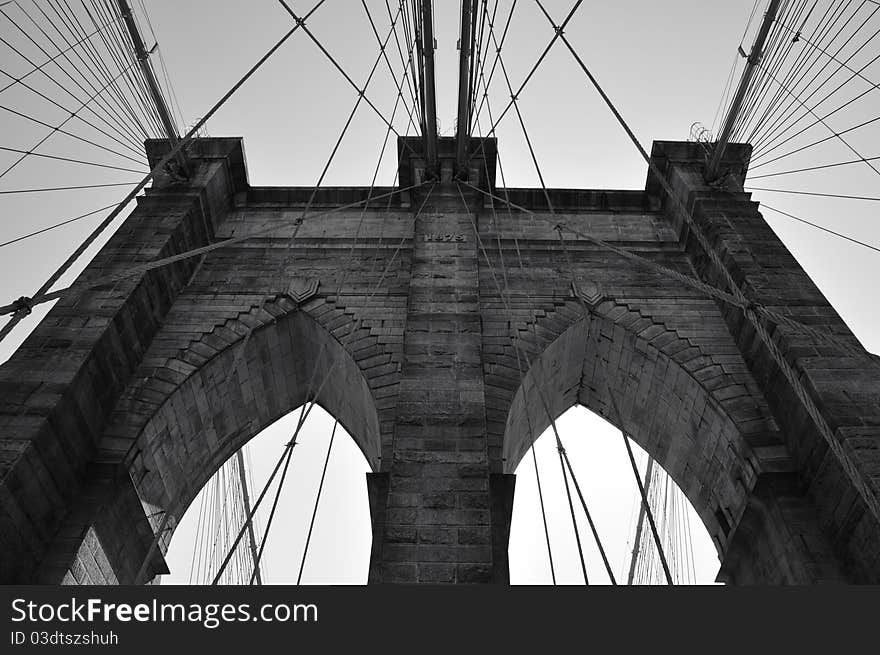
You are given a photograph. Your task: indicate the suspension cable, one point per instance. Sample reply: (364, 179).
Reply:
(237, 360)
(577, 534)
(816, 194)
(63, 188)
(820, 227)
(286, 454)
(116, 114)
(42, 295)
(361, 92)
(288, 448)
(52, 58)
(645, 504)
(516, 350)
(518, 354)
(773, 134)
(821, 120)
(695, 283)
(813, 168)
(589, 516)
(302, 564)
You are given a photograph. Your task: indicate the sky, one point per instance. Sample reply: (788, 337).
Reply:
(665, 65)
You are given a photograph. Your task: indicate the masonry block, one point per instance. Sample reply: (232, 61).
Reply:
(450, 332)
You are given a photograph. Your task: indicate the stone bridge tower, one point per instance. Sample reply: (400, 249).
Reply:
(448, 330)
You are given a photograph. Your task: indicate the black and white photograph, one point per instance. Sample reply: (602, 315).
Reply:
(363, 301)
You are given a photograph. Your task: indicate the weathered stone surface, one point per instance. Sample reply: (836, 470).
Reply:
(449, 329)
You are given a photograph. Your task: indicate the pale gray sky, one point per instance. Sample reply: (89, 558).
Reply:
(664, 64)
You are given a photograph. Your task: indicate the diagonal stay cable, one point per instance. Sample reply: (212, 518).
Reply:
(56, 225)
(414, 60)
(577, 533)
(821, 120)
(240, 351)
(409, 62)
(288, 448)
(514, 96)
(812, 168)
(382, 48)
(774, 132)
(299, 222)
(540, 493)
(301, 22)
(139, 578)
(751, 313)
(815, 194)
(819, 227)
(559, 32)
(90, 61)
(833, 58)
(53, 58)
(476, 231)
(750, 308)
(55, 128)
(124, 50)
(302, 564)
(117, 138)
(515, 103)
(42, 295)
(775, 110)
(481, 69)
(343, 276)
(478, 56)
(694, 283)
(753, 165)
(121, 49)
(516, 349)
(138, 270)
(563, 457)
(775, 57)
(236, 362)
(281, 460)
(770, 147)
(304, 416)
(64, 188)
(72, 160)
(589, 517)
(285, 456)
(648, 512)
(58, 129)
(560, 447)
(132, 96)
(351, 115)
(540, 395)
(100, 102)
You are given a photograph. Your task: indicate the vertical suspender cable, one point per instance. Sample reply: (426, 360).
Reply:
(752, 65)
(150, 78)
(640, 524)
(242, 477)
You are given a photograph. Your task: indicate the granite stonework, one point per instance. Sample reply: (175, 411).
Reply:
(448, 331)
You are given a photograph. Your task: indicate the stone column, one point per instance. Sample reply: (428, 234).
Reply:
(59, 388)
(444, 519)
(828, 408)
